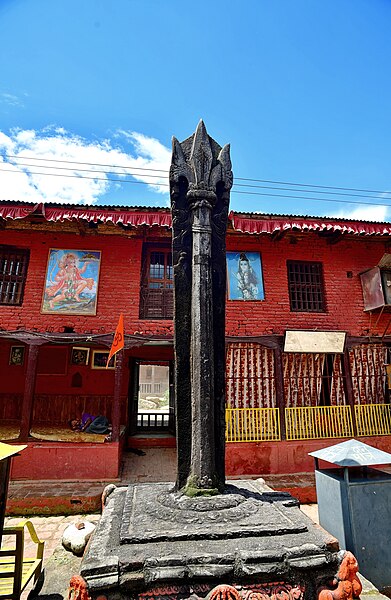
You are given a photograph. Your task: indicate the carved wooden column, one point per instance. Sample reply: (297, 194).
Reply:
(200, 181)
(280, 395)
(116, 411)
(29, 388)
(348, 383)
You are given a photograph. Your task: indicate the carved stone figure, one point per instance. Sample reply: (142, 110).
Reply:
(78, 589)
(200, 183)
(348, 585)
(153, 542)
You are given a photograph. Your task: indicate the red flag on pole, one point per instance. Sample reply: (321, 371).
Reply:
(118, 341)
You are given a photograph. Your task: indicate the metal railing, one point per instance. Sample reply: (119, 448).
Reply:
(316, 422)
(154, 421)
(373, 419)
(252, 424)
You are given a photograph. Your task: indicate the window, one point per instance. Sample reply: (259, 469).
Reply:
(156, 294)
(13, 273)
(305, 283)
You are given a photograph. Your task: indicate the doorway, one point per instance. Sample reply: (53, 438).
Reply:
(151, 402)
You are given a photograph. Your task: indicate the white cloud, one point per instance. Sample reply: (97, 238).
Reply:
(26, 179)
(10, 99)
(364, 213)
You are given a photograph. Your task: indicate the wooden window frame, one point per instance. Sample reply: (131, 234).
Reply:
(306, 286)
(12, 283)
(156, 302)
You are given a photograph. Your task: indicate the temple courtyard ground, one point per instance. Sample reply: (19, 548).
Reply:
(152, 465)
(38, 501)
(60, 565)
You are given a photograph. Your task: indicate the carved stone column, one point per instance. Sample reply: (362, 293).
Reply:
(200, 181)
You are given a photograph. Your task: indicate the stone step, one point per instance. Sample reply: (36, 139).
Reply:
(54, 497)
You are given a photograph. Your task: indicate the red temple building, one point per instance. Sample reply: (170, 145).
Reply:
(307, 329)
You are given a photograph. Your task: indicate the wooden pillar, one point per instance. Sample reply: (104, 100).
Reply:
(279, 375)
(28, 396)
(348, 385)
(4, 479)
(116, 411)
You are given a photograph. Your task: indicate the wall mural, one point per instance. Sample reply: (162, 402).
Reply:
(245, 281)
(71, 283)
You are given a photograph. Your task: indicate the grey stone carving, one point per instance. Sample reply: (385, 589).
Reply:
(203, 539)
(200, 183)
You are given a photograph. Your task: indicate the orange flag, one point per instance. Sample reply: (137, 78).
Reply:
(118, 341)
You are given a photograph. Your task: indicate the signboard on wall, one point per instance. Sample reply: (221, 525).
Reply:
(323, 342)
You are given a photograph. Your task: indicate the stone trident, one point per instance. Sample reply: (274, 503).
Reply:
(200, 183)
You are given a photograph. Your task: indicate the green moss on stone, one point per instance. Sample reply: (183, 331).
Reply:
(193, 489)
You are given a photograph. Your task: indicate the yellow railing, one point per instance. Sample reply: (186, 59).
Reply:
(373, 419)
(314, 422)
(252, 424)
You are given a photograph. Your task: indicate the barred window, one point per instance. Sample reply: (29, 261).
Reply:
(13, 273)
(305, 283)
(156, 293)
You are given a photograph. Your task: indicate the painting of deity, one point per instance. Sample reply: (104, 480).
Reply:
(71, 282)
(245, 280)
(16, 356)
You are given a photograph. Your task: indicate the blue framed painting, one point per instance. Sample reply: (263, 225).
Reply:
(245, 280)
(71, 282)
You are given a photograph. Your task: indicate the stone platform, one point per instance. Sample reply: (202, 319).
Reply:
(152, 542)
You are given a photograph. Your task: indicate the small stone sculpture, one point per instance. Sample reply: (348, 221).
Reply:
(76, 536)
(109, 489)
(224, 592)
(348, 584)
(78, 589)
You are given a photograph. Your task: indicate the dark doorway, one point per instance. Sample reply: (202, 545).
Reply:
(151, 401)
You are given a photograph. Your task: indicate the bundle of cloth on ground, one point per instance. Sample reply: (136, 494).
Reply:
(91, 424)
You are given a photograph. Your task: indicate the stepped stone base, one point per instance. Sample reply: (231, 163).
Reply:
(152, 542)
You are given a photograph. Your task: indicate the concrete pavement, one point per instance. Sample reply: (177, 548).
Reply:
(49, 530)
(60, 565)
(157, 464)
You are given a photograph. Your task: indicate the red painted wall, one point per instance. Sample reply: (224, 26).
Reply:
(118, 284)
(256, 459)
(46, 460)
(120, 278)
(343, 295)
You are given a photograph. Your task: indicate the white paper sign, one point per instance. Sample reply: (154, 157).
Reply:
(315, 341)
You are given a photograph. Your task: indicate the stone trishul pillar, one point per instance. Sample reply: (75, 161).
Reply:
(200, 182)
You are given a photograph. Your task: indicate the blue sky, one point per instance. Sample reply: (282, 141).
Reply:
(300, 88)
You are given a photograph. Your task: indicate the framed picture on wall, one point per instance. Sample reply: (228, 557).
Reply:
(16, 356)
(99, 360)
(80, 356)
(71, 282)
(244, 276)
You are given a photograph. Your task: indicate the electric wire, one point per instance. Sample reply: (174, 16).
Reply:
(124, 167)
(130, 171)
(267, 194)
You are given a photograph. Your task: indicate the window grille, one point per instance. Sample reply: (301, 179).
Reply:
(369, 375)
(13, 273)
(313, 379)
(156, 294)
(145, 388)
(250, 376)
(305, 283)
